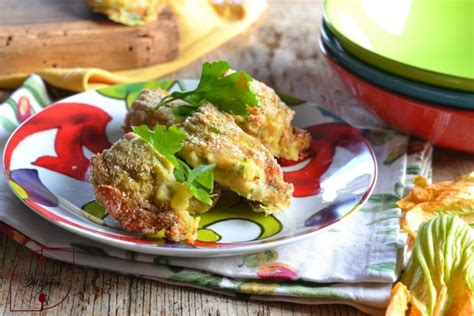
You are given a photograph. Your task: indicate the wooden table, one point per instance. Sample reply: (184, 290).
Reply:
(281, 51)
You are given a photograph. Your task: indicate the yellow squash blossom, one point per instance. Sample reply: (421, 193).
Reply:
(427, 201)
(439, 279)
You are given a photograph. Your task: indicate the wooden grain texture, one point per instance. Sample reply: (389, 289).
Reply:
(282, 51)
(81, 39)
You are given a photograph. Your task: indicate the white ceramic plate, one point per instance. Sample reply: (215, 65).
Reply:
(46, 162)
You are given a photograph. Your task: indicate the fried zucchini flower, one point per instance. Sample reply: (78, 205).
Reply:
(243, 164)
(137, 186)
(270, 122)
(129, 12)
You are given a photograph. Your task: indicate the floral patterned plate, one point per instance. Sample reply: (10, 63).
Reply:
(46, 162)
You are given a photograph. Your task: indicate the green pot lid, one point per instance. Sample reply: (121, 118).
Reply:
(426, 40)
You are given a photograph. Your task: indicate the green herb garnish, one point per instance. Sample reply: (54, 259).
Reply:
(170, 140)
(230, 93)
(165, 140)
(199, 180)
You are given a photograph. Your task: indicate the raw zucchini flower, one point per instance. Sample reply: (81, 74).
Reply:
(439, 279)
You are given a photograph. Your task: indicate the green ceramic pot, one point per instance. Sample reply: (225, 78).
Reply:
(430, 41)
(406, 87)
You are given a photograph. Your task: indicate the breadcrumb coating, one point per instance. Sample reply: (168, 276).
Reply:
(137, 186)
(243, 163)
(270, 122)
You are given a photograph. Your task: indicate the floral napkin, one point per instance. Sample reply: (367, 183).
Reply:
(355, 262)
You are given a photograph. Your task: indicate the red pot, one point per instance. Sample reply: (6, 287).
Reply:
(446, 127)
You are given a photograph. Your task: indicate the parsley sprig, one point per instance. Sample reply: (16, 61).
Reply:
(230, 93)
(170, 140)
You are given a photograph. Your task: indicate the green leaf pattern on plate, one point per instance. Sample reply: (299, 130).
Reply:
(129, 92)
(95, 209)
(290, 100)
(230, 206)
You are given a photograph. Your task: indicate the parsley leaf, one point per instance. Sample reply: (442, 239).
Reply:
(168, 141)
(201, 195)
(199, 179)
(183, 110)
(201, 183)
(181, 172)
(202, 176)
(230, 93)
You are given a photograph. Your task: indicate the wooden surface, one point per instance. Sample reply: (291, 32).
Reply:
(36, 34)
(281, 51)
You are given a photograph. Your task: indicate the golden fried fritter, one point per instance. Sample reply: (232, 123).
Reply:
(143, 111)
(137, 186)
(129, 12)
(243, 164)
(271, 124)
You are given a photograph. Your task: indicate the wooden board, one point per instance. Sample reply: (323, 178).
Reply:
(36, 34)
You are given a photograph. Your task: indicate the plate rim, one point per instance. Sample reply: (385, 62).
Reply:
(154, 249)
